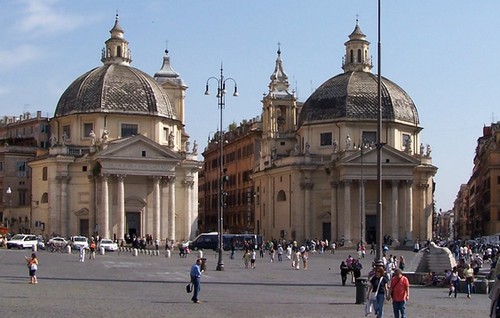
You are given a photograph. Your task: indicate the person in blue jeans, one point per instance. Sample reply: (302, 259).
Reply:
(378, 285)
(196, 280)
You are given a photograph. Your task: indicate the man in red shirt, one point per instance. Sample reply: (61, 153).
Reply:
(399, 292)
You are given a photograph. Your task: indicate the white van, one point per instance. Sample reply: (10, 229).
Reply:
(21, 241)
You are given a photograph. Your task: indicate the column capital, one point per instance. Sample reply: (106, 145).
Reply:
(395, 182)
(120, 177)
(334, 184)
(423, 186)
(104, 176)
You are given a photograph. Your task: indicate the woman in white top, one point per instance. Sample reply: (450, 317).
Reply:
(454, 281)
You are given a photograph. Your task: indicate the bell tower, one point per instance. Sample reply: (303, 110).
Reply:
(357, 55)
(279, 116)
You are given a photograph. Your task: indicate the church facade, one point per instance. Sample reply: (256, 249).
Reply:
(119, 161)
(317, 175)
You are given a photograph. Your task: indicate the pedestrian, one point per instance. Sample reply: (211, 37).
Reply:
(280, 253)
(246, 258)
(289, 251)
(454, 281)
(296, 260)
(272, 252)
(92, 250)
(343, 272)
(399, 289)
(253, 257)
(469, 279)
(196, 280)
(401, 264)
(32, 268)
(495, 296)
(82, 253)
(304, 255)
(377, 291)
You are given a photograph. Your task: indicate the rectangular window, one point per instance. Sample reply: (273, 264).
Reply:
(1, 165)
(21, 169)
(128, 130)
(406, 142)
(87, 129)
(66, 135)
(369, 138)
(325, 139)
(44, 173)
(22, 197)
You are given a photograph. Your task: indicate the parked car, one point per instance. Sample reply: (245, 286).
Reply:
(58, 241)
(21, 241)
(108, 245)
(78, 242)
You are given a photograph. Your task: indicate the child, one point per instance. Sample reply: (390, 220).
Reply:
(33, 267)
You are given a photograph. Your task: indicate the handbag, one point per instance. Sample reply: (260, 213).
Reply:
(189, 288)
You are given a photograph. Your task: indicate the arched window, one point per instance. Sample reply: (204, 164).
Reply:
(359, 56)
(352, 56)
(281, 196)
(45, 198)
(119, 51)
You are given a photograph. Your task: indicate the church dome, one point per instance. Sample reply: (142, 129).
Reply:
(115, 87)
(353, 95)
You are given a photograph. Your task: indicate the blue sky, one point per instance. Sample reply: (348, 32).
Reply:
(442, 53)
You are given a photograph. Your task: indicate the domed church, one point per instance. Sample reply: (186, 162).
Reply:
(119, 163)
(317, 173)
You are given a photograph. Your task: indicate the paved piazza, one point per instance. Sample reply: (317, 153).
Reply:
(121, 285)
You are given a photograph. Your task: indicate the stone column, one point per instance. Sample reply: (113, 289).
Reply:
(188, 189)
(347, 212)
(104, 226)
(362, 210)
(65, 214)
(395, 212)
(424, 216)
(333, 211)
(307, 187)
(409, 211)
(156, 207)
(120, 213)
(171, 209)
(164, 208)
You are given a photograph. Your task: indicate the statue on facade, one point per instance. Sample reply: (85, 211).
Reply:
(105, 136)
(64, 138)
(429, 150)
(53, 140)
(335, 146)
(407, 145)
(274, 154)
(171, 139)
(348, 142)
(421, 148)
(308, 147)
(296, 150)
(92, 138)
(195, 148)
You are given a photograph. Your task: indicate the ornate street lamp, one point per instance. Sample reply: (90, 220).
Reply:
(221, 98)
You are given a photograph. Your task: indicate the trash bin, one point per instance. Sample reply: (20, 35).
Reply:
(102, 251)
(203, 264)
(361, 283)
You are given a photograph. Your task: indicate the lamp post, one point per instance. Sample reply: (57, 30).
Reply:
(9, 193)
(221, 100)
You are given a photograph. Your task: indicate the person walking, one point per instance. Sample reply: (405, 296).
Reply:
(253, 257)
(81, 253)
(454, 281)
(399, 291)
(196, 280)
(32, 268)
(469, 279)
(343, 272)
(378, 286)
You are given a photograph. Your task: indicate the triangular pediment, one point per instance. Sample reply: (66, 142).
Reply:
(395, 163)
(137, 155)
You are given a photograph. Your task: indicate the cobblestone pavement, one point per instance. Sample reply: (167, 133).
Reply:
(121, 285)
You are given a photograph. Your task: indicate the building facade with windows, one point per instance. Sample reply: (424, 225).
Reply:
(241, 149)
(316, 177)
(119, 161)
(21, 138)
